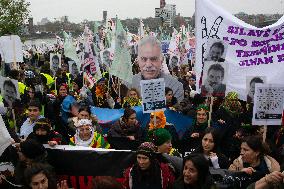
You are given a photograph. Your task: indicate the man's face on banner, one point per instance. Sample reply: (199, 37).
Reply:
(106, 58)
(150, 61)
(215, 78)
(55, 64)
(174, 61)
(215, 53)
(10, 94)
(75, 70)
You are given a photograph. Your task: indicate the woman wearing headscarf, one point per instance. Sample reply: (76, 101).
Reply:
(163, 140)
(147, 172)
(126, 133)
(192, 137)
(87, 136)
(161, 122)
(43, 133)
(230, 115)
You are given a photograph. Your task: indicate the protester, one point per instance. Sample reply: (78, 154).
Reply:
(162, 139)
(126, 133)
(106, 182)
(132, 99)
(161, 122)
(230, 116)
(34, 109)
(170, 99)
(211, 150)
(87, 136)
(147, 172)
(84, 112)
(29, 152)
(253, 159)
(43, 133)
(39, 176)
(192, 137)
(195, 173)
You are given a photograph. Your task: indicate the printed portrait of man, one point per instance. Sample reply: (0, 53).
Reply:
(173, 62)
(213, 84)
(251, 87)
(150, 59)
(73, 69)
(106, 58)
(55, 62)
(216, 52)
(9, 91)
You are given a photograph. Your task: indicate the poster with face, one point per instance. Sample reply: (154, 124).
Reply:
(216, 51)
(214, 79)
(9, 90)
(250, 86)
(73, 68)
(55, 62)
(107, 57)
(174, 62)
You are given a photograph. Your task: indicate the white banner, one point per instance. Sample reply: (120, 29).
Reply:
(228, 51)
(268, 104)
(11, 48)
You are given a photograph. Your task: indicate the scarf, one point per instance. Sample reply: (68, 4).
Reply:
(231, 104)
(162, 123)
(79, 142)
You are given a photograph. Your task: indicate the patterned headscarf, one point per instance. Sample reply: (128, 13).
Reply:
(202, 107)
(147, 149)
(231, 103)
(161, 116)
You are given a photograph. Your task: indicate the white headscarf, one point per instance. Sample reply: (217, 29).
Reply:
(78, 141)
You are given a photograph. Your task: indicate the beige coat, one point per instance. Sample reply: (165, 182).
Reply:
(271, 163)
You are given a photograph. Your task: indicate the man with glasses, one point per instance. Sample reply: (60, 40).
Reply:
(150, 59)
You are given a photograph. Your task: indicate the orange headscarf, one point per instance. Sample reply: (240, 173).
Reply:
(159, 115)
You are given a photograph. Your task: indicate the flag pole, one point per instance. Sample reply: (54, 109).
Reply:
(210, 112)
(264, 133)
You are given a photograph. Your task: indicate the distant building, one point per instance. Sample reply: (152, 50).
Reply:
(31, 25)
(104, 17)
(64, 19)
(43, 21)
(172, 13)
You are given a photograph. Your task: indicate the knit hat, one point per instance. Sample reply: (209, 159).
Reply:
(146, 148)
(160, 136)
(32, 149)
(84, 122)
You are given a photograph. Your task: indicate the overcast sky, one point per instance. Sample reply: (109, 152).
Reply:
(78, 10)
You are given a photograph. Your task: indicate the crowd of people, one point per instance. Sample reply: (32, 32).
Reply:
(55, 109)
